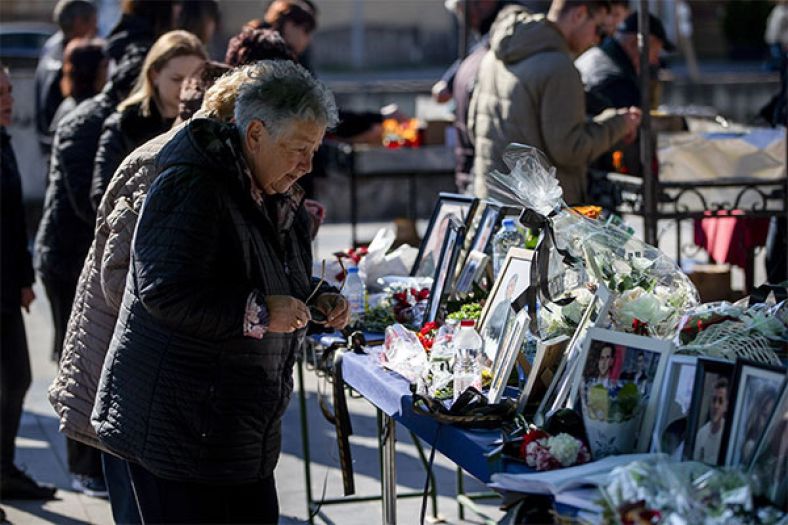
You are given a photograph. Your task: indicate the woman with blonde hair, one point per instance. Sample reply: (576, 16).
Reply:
(151, 107)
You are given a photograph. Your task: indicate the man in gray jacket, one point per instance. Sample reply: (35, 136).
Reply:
(529, 92)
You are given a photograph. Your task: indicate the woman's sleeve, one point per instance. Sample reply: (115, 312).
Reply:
(176, 259)
(115, 259)
(112, 149)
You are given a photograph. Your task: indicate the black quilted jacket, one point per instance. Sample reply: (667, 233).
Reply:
(123, 132)
(66, 228)
(183, 392)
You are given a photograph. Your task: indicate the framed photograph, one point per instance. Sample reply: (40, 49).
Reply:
(474, 268)
(542, 371)
(770, 461)
(442, 277)
(617, 388)
(449, 205)
(507, 355)
(711, 399)
(557, 395)
(756, 387)
(497, 314)
(491, 218)
(670, 427)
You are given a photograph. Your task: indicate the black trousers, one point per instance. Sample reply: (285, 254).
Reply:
(82, 459)
(14, 381)
(60, 293)
(165, 501)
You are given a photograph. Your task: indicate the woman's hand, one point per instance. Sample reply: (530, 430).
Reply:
(286, 314)
(336, 309)
(27, 297)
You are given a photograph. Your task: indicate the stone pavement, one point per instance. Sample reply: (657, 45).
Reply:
(41, 449)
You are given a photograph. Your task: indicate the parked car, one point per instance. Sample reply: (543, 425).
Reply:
(21, 42)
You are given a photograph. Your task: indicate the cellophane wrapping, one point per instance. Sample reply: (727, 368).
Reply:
(651, 291)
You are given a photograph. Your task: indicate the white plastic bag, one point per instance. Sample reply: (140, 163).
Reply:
(379, 262)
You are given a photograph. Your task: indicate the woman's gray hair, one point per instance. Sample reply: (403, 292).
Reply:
(280, 92)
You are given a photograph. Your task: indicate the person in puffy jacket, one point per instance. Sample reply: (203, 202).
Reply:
(76, 19)
(84, 75)
(529, 92)
(152, 106)
(219, 294)
(101, 284)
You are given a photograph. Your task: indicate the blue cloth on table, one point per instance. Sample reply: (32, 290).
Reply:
(391, 393)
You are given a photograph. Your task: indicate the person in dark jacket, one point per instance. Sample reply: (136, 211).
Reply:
(610, 74)
(16, 292)
(458, 81)
(151, 108)
(200, 17)
(76, 19)
(199, 370)
(66, 231)
(140, 24)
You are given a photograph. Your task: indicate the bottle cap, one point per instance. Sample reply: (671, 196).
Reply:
(352, 269)
(508, 223)
(468, 322)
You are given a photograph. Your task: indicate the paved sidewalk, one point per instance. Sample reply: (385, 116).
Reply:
(41, 449)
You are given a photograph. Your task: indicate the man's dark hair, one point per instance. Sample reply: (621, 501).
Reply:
(721, 383)
(251, 45)
(69, 11)
(301, 13)
(82, 61)
(158, 13)
(195, 15)
(592, 5)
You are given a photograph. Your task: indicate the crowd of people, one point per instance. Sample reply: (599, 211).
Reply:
(175, 242)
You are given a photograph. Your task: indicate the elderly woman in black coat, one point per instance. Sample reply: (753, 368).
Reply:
(199, 371)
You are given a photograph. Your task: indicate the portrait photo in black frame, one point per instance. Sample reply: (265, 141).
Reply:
(711, 402)
(769, 464)
(481, 230)
(675, 402)
(756, 389)
(444, 272)
(462, 207)
(491, 218)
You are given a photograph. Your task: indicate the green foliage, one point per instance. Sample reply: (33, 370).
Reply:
(467, 311)
(377, 319)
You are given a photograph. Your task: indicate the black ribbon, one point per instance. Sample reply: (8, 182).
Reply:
(342, 425)
(539, 287)
(761, 294)
(471, 410)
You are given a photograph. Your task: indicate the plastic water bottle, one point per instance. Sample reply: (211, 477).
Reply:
(508, 237)
(356, 294)
(468, 348)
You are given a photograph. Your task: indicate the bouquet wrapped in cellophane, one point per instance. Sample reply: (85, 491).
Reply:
(651, 291)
